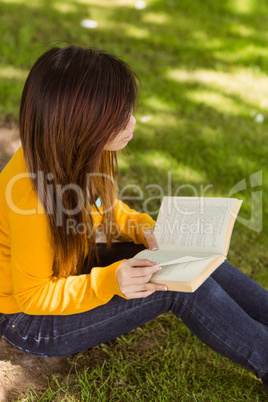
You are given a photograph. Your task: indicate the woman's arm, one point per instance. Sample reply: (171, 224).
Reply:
(35, 289)
(132, 225)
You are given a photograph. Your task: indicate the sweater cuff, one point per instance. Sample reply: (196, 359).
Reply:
(106, 285)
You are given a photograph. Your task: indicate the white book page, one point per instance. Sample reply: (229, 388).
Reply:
(164, 258)
(182, 272)
(193, 224)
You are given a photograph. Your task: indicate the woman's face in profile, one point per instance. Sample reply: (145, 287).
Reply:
(123, 137)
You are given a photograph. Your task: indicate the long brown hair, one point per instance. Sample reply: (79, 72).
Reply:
(74, 102)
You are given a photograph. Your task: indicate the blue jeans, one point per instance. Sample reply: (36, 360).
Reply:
(229, 313)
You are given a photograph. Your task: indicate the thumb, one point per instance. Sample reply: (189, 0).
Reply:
(150, 238)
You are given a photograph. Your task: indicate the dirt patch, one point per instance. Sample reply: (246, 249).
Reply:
(19, 371)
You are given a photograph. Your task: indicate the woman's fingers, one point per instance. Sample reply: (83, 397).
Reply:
(138, 268)
(143, 279)
(150, 238)
(137, 275)
(133, 278)
(135, 262)
(143, 272)
(142, 290)
(148, 289)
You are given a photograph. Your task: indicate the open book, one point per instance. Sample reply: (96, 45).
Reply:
(193, 236)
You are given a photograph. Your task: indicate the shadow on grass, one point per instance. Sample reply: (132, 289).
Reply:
(19, 371)
(172, 35)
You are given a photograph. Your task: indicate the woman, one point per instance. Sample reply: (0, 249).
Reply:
(60, 291)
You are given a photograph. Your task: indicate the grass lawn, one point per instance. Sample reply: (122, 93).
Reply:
(202, 126)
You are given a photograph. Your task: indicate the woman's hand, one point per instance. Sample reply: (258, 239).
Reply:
(150, 238)
(133, 277)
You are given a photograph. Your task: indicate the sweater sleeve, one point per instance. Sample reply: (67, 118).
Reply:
(131, 224)
(35, 289)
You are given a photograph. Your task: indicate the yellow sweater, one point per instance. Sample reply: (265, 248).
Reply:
(26, 255)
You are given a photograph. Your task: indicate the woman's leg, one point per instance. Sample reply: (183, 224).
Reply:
(221, 323)
(248, 294)
(210, 313)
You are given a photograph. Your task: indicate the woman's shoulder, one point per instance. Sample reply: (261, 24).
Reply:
(15, 180)
(15, 165)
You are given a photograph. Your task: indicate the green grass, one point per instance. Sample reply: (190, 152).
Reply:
(162, 361)
(203, 67)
